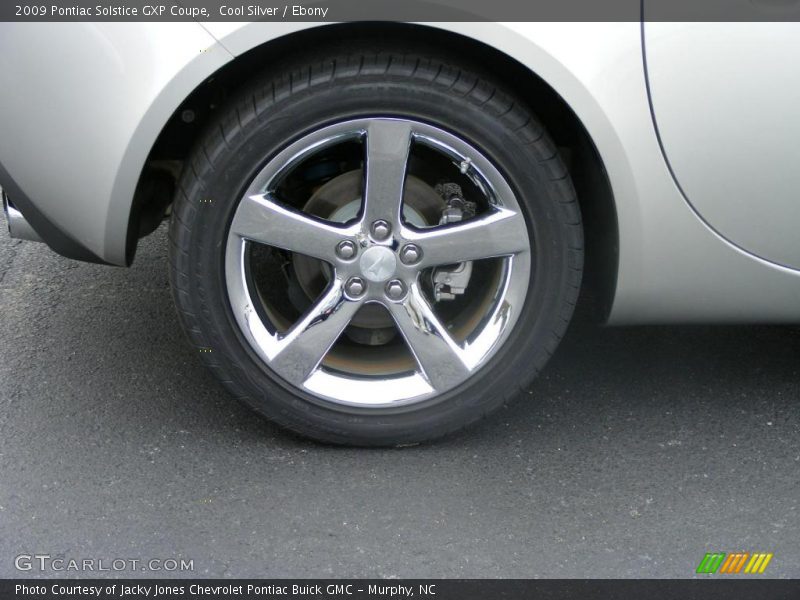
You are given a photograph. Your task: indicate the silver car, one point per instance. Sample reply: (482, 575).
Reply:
(379, 232)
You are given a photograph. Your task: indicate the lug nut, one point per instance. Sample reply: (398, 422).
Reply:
(410, 254)
(381, 230)
(355, 287)
(346, 249)
(395, 289)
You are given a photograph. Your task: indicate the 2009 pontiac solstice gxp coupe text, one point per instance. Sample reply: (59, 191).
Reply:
(378, 232)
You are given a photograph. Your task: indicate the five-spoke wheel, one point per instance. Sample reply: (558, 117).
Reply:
(378, 257)
(375, 246)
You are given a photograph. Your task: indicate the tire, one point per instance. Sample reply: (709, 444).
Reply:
(379, 92)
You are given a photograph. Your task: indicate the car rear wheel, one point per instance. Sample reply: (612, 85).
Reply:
(375, 247)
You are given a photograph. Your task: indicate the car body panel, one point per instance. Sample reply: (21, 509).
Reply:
(726, 106)
(81, 110)
(673, 267)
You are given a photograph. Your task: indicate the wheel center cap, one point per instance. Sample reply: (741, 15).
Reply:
(377, 263)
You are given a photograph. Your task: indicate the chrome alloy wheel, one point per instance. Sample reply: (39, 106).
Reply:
(381, 257)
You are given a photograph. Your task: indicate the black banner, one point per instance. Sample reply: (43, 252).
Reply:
(399, 10)
(395, 589)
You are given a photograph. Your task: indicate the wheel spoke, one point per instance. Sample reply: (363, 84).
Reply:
(305, 345)
(388, 145)
(263, 219)
(499, 233)
(438, 355)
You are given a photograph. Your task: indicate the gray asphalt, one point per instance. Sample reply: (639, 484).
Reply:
(635, 453)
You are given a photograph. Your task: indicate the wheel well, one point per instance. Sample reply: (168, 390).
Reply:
(157, 182)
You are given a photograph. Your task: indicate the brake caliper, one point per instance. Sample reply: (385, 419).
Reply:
(451, 280)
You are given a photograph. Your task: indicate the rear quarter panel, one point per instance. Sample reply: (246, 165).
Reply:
(77, 119)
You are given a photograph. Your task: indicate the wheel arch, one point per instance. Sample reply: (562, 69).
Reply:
(185, 123)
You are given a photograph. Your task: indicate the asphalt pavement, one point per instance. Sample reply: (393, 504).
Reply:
(635, 453)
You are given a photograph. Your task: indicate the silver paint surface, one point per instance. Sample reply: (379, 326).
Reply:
(92, 110)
